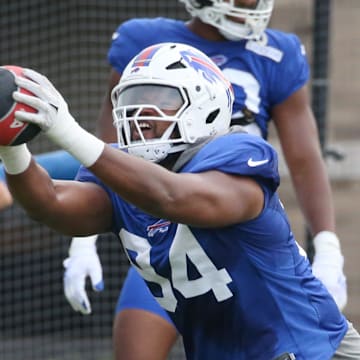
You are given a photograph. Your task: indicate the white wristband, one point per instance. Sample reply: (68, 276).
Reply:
(326, 241)
(16, 159)
(84, 146)
(79, 244)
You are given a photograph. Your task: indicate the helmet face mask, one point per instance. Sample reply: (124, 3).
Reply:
(234, 21)
(169, 96)
(143, 107)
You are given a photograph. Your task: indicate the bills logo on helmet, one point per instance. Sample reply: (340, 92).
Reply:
(209, 70)
(194, 59)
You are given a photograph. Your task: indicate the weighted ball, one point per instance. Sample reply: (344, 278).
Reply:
(12, 131)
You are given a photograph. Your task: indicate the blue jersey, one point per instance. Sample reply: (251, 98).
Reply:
(239, 292)
(262, 75)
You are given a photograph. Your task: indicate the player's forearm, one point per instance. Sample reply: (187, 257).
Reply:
(147, 185)
(179, 197)
(314, 195)
(155, 190)
(33, 190)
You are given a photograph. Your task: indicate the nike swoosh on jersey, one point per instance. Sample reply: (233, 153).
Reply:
(254, 163)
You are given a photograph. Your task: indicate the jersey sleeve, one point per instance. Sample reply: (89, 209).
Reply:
(293, 72)
(239, 154)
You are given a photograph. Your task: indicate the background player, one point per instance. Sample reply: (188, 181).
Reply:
(225, 267)
(269, 72)
(208, 38)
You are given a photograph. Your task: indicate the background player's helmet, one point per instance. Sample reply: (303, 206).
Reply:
(234, 22)
(175, 83)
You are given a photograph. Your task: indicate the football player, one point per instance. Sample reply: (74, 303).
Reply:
(269, 72)
(194, 203)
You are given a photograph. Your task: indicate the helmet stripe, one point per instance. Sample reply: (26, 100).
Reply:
(144, 58)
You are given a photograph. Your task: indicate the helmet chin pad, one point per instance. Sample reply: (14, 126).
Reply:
(150, 152)
(155, 152)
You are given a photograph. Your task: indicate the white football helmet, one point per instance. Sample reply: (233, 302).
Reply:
(175, 83)
(234, 21)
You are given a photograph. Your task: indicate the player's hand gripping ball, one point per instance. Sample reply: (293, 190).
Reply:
(12, 131)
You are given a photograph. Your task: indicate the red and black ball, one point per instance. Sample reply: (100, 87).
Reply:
(12, 131)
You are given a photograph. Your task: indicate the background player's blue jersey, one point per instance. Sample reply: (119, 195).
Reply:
(233, 292)
(262, 75)
(59, 165)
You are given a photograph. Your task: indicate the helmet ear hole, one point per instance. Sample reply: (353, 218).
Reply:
(212, 116)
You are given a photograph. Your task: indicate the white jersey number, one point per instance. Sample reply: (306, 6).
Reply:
(184, 248)
(251, 89)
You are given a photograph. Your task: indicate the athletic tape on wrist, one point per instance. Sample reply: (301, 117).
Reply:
(84, 146)
(87, 149)
(326, 241)
(16, 159)
(79, 244)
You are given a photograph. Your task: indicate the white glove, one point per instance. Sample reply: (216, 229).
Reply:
(82, 262)
(328, 266)
(54, 119)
